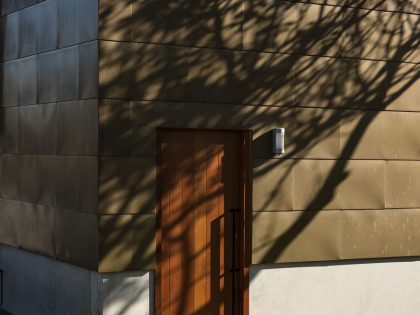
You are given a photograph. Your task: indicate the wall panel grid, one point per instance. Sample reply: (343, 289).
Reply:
(61, 75)
(296, 27)
(341, 76)
(47, 25)
(176, 73)
(49, 128)
(298, 236)
(127, 128)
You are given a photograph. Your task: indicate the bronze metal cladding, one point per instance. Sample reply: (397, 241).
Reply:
(85, 84)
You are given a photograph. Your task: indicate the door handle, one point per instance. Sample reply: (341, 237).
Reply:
(235, 268)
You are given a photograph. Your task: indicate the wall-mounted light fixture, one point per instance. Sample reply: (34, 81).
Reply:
(278, 140)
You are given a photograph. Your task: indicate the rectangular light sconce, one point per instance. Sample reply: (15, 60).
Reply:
(278, 140)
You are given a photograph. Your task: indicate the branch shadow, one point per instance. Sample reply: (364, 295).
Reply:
(196, 64)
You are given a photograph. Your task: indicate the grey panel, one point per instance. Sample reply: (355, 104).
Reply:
(86, 16)
(27, 226)
(46, 231)
(1, 178)
(77, 238)
(11, 170)
(20, 4)
(10, 84)
(27, 80)
(28, 32)
(29, 179)
(10, 36)
(10, 228)
(48, 26)
(11, 133)
(68, 74)
(2, 132)
(47, 179)
(66, 23)
(47, 129)
(88, 184)
(89, 71)
(87, 127)
(67, 183)
(7, 6)
(67, 124)
(28, 129)
(77, 127)
(48, 77)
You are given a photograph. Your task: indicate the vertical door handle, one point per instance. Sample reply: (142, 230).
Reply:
(235, 268)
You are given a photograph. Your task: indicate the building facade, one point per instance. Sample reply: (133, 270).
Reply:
(137, 157)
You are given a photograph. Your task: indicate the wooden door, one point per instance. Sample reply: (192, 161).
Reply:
(201, 235)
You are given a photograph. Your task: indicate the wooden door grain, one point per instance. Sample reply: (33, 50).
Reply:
(200, 269)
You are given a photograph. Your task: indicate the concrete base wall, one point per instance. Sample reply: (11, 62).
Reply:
(35, 285)
(366, 288)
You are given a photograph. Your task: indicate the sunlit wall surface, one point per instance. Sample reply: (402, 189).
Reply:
(85, 84)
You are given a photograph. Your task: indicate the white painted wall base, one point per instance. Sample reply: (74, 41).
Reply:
(362, 288)
(35, 285)
(128, 293)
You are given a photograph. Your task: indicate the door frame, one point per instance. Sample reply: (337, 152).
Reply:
(246, 211)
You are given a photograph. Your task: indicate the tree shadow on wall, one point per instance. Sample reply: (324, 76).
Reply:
(203, 65)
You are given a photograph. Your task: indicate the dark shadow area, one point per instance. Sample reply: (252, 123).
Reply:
(321, 67)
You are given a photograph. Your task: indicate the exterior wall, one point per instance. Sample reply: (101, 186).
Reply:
(341, 78)
(48, 123)
(358, 288)
(36, 285)
(128, 293)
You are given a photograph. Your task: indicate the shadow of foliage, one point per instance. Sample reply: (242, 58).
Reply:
(244, 64)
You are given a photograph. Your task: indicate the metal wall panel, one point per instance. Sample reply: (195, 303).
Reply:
(49, 128)
(10, 25)
(28, 32)
(29, 179)
(120, 239)
(48, 171)
(284, 237)
(68, 74)
(87, 127)
(67, 118)
(8, 6)
(86, 20)
(11, 130)
(48, 26)
(47, 77)
(77, 127)
(77, 238)
(11, 171)
(88, 184)
(27, 68)
(89, 70)
(295, 33)
(127, 185)
(66, 23)
(68, 183)
(46, 232)
(10, 83)
(28, 129)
